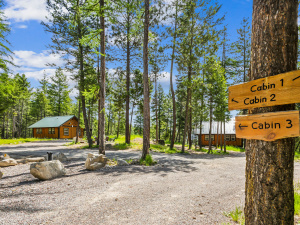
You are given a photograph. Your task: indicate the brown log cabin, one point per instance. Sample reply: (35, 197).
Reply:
(60, 127)
(230, 136)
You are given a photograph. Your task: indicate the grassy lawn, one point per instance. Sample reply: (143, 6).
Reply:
(234, 148)
(21, 140)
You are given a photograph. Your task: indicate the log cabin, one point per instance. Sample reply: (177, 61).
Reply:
(230, 136)
(60, 127)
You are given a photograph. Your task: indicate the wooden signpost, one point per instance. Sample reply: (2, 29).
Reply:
(268, 126)
(270, 91)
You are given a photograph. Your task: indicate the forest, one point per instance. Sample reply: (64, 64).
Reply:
(116, 53)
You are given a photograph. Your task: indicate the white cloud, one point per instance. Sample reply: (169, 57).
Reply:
(24, 10)
(36, 60)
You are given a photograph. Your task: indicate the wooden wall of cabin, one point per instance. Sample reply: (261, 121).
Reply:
(71, 125)
(45, 133)
(238, 141)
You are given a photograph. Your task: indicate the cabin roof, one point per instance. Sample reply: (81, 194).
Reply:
(229, 128)
(54, 121)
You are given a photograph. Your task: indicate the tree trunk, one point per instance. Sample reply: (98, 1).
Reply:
(102, 82)
(127, 127)
(156, 116)
(224, 132)
(146, 132)
(221, 144)
(270, 165)
(171, 83)
(210, 123)
(3, 127)
(217, 141)
(78, 125)
(190, 127)
(118, 130)
(81, 83)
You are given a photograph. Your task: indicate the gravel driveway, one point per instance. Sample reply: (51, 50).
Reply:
(181, 189)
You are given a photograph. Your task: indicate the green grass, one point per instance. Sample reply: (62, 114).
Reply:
(234, 148)
(148, 161)
(163, 149)
(236, 215)
(297, 155)
(21, 140)
(297, 203)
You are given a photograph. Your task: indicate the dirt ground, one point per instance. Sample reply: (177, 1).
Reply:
(180, 189)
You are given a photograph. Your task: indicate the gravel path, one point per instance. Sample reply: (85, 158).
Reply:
(181, 189)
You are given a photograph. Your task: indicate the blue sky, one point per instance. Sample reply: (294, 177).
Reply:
(29, 40)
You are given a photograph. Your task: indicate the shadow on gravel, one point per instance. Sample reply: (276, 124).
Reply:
(13, 207)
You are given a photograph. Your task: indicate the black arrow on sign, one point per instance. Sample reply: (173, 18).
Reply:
(296, 78)
(240, 126)
(234, 100)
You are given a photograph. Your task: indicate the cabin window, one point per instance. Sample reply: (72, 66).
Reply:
(227, 137)
(207, 137)
(39, 131)
(232, 137)
(66, 131)
(51, 130)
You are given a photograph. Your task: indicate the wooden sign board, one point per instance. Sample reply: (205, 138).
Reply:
(268, 126)
(269, 91)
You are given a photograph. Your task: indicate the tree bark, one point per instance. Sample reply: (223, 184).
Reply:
(210, 123)
(102, 82)
(146, 132)
(171, 82)
(270, 165)
(156, 116)
(127, 126)
(78, 125)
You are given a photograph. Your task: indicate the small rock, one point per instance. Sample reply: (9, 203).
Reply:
(1, 174)
(95, 161)
(8, 162)
(122, 162)
(47, 170)
(61, 157)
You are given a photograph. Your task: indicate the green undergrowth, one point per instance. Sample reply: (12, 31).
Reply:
(148, 161)
(22, 140)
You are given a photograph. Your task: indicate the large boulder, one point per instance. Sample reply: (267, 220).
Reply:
(61, 157)
(95, 161)
(47, 170)
(1, 174)
(8, 162)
